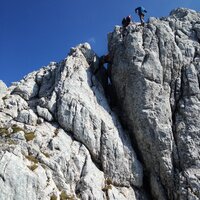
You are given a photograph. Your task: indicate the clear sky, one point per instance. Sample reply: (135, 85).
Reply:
(36, 32)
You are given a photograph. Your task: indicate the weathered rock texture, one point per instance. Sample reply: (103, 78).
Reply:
(3, 88)
(156, 75)
(59, 138)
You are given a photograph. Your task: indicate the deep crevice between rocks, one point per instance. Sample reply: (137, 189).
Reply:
(146, 178)
(115, 106)
(175, 152)
(174, 120)
(3, 179)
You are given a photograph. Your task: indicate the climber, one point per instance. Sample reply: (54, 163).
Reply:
(140, 11)
(125, 22)
(104, 74)
(105, 59)
(103, 71)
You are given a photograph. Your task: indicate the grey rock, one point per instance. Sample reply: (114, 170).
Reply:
(3, 88)
(156, 76)
(27, 117)
(16, 179)
(28, 88)
(45, 78)
(60, 136)
(13, 104)
(92, 125)
(197, 29)
(123, 194)
(44, 113)
(18, 136)
(71, 142)
(86, 50)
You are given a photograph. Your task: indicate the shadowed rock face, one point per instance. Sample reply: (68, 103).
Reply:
(59, 138)
(155, 72)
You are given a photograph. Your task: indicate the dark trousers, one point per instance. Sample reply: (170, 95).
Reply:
(141, 18)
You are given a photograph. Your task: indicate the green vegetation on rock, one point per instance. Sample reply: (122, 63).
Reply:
(32, 159)
(33, 167)
(4, 131)
(53, 197)
(16, 129)
(64, 196)
(29, 136)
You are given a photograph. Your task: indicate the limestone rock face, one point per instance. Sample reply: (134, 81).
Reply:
(59, 137)
(156, 71)
(3, 88)
(65, 134)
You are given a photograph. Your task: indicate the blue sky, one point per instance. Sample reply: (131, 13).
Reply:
(36, 32)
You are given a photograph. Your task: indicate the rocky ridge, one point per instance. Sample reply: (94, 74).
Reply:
(156, 75)
(60, 138)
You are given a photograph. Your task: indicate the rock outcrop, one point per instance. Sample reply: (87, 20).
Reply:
(155, 72)
(60, 138)
(3, 88)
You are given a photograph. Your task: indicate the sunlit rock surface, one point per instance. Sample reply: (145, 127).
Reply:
(155, 72)
(62, 138)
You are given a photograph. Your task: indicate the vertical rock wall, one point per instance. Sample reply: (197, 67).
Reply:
(60, 140)
(155, 72)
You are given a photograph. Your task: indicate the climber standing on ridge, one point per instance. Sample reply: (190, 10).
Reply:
(140, 11)
(125, 22)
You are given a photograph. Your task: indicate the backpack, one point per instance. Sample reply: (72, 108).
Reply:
(128, 20)
(124, 21)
